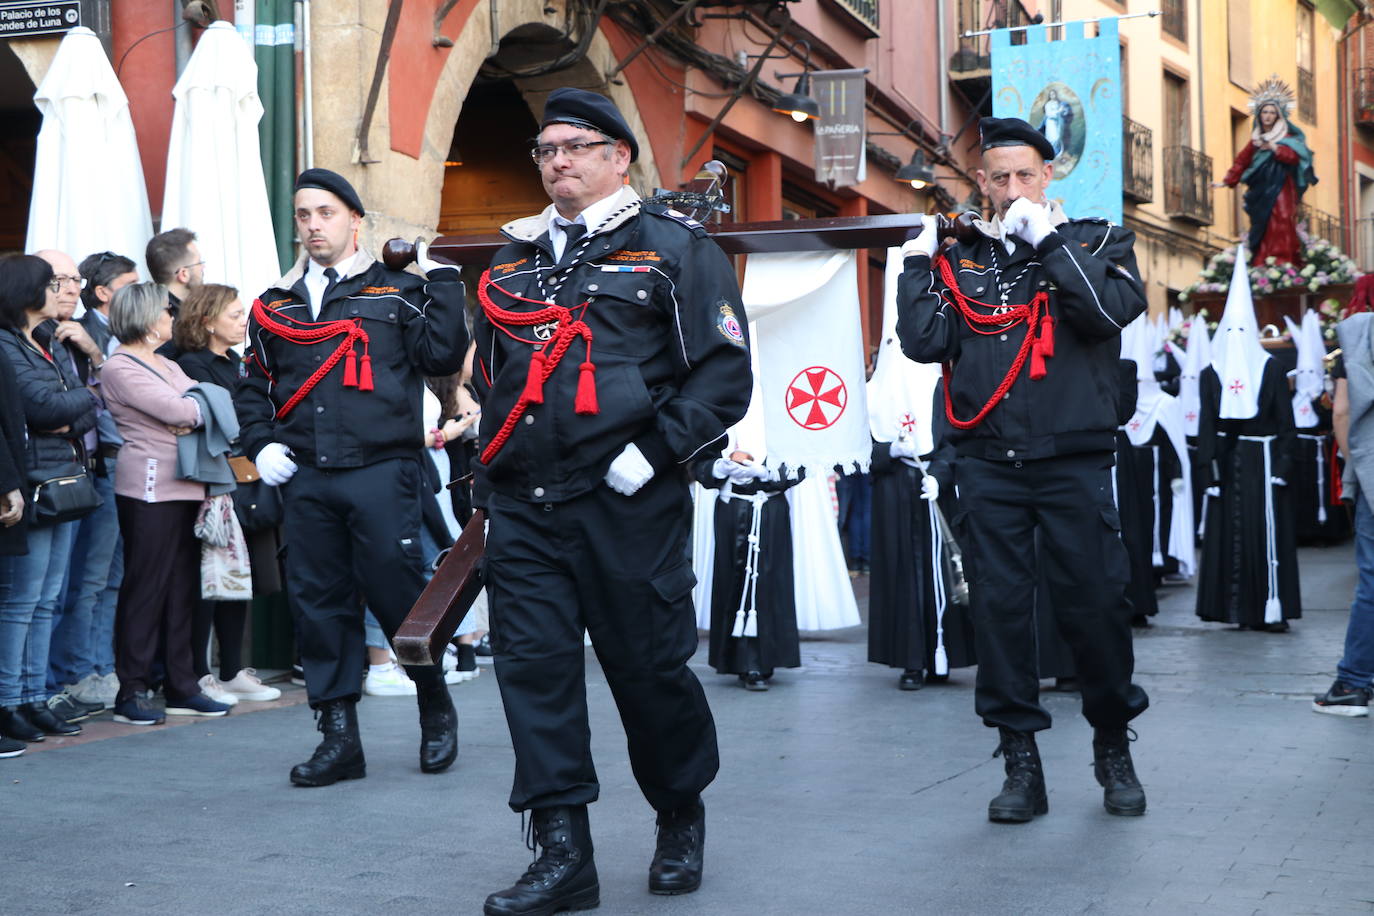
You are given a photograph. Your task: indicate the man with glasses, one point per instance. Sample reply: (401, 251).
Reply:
(81, 654)
(175, 262)
(611, 351)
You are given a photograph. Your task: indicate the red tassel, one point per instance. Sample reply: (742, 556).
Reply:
(1047, 335)
(351, 369)
(1037, 361)
(365, 376)
(586, 390)
(534, 382)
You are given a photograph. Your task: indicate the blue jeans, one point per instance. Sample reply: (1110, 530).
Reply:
(70, 655)
(103, 617)
(1357, 666)
(29, 587)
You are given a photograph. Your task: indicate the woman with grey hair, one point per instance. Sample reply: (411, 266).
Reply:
(145, 393)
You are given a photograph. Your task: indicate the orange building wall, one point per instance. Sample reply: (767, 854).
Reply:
(147, 75)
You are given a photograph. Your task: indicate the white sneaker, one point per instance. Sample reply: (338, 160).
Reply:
(391, 681)
(451, 673)
(212, 688)
(109, 684)
(90, 689)
(246, 685)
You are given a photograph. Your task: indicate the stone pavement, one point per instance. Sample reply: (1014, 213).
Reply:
(837, 794)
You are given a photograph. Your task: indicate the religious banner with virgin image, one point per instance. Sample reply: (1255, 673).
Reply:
(1070, 91)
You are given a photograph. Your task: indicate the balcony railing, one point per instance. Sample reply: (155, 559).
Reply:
(1188, 185)
(1138, 149)
(866, 11)
(1322, 225)
(975, 54)
(1176, 19)
(1307, 96)
(1363, 94)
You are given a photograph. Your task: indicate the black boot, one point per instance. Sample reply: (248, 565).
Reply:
(48, 722)
(1023, 792)
(340, 754)
(438, 728)
(676, 868)
(1121, 791)
(15, 724)
(911, 679)
(563, 877)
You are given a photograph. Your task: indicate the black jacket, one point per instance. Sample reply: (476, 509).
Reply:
(13, 460)
(670, 346)
(416, 327)
(1088, 268)
(53, 398)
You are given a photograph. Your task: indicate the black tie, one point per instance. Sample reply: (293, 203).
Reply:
(572, 233)
(332, 276)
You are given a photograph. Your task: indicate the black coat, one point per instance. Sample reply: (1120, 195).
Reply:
(13, 460)
(416, 327)
(670, 349)
(1088, 268)
(53, 398)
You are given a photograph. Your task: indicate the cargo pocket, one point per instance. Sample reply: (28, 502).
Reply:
(675, 624)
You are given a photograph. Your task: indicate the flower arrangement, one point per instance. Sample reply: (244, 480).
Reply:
(1323, 265)
(1179, 335)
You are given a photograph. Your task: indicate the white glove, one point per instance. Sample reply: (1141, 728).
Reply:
(902, 448)
(1027, 220)
(737, 473)
(1176, 486)
(927, 242)
(274, 465)
(629, 471)
(1278, 481)
(930, 488)
(424, 261)
(1213, 491)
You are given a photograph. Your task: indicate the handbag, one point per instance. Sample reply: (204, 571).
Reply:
(65, 493)
(257, 505)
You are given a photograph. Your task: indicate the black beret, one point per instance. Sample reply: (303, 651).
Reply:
(581, 108)
(335, 184)
(1013, 132)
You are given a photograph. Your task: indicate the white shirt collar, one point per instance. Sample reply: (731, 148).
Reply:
(591, 217)
(316, 281)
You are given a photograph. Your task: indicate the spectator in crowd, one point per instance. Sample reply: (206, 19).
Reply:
(213, 321)
(81, 657)
(157, 511)
(1352, 415)
(58, 412)
(13, 483)
(174, 261)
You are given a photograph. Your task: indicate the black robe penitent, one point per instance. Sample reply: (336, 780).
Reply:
(1252, 520)
(909, 611)
(1319, 516)
(776, 644)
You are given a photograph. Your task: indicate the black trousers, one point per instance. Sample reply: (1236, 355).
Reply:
(617, 566)
(349, 534)
(1067, 501)
(160, 591)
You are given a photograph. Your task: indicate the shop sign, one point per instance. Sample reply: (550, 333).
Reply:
(25, 20)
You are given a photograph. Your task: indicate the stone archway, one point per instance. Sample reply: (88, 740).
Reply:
(411, 188)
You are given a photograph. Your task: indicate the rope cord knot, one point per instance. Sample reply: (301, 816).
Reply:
(309, 332)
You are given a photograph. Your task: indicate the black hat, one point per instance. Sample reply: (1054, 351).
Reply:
(335, 184)
(1013, 132)
(581, 108)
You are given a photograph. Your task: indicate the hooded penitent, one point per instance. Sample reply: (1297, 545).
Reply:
(901, 392)
(1237, 355)
(1197, 358)
(1309, 377)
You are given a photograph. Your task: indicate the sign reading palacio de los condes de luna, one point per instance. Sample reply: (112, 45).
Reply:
(25, 19)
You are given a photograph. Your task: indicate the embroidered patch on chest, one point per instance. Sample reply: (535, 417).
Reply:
(377, 290)
(729, 326)
(634, 256)
(510, 265)
(967, 264)
(624, 269)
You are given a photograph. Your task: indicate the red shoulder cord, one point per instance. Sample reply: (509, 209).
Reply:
(1039, 347)
(544, 360)
(308, 332)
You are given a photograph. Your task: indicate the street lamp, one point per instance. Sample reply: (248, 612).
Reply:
(917, 171)
(798, 104)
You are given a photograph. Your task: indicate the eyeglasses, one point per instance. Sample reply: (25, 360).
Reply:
(189, 266)
(58, 281)
(577, 149)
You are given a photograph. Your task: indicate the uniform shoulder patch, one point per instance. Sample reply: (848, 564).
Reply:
(678, 217)
(728, 324)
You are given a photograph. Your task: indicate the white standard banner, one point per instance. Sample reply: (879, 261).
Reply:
(809, 346)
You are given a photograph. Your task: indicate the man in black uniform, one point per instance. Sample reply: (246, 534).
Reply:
(1027, 320)
(330, 412)
(611, 351)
